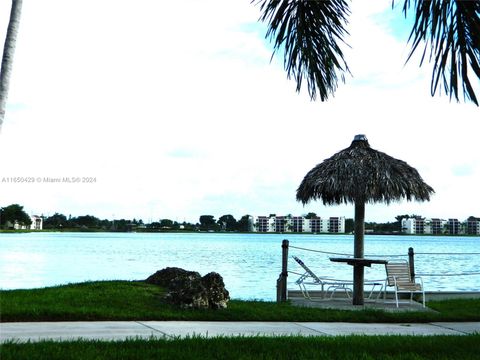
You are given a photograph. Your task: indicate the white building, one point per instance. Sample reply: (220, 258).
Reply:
(336, 225)
(18, 226)
(314, 225)
(436, 226)
(299, 224)
(264, 224)
(473, 226)
(414, 225)
(453, 226)
(433, 226)
(37, 222)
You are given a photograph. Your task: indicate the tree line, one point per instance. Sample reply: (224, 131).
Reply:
(15, 213)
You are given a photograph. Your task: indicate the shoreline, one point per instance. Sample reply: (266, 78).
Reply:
(142, 231)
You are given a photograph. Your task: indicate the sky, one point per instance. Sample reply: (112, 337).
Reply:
(175, 109)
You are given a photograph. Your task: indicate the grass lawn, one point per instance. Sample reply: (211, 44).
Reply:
(343, 347)
(130, 300)
(127, 300)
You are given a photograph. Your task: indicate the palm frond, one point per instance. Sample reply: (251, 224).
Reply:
(309, 32)
(451, 31)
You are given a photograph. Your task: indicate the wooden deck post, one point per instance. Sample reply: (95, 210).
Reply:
(282, 279)
(358, 270)
(411, 262)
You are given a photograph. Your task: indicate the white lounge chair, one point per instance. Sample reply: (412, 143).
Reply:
(327, 285)
(399, 277)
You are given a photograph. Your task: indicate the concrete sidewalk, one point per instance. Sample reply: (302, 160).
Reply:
(121, 330)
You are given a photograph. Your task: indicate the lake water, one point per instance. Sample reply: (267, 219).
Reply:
(249, 263)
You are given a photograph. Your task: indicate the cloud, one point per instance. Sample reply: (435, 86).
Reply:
(177, 110)
(183, 153)
(463, 170)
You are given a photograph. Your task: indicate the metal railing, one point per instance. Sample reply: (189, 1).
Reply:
(282, 279)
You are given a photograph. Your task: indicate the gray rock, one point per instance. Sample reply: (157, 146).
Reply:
(189, 290)
(165, 276)
(218, 296)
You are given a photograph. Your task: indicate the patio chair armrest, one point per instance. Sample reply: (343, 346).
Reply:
(375, 282)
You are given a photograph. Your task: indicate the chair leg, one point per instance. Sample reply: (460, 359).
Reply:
(371, 291)
(347, 291)
(305, 293)
(380, 292)
(374, 286)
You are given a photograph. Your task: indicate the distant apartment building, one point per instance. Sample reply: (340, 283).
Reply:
(336, 225)
(453, 226)
(414, 225)
(473, 226)
(299, 224)
(263, 224)
(419, 225)
(281, 224)
(18, 226)
(37, 224)
(436, 226)
(314, 225)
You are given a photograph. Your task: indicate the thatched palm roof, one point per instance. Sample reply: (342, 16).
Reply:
(360, 173)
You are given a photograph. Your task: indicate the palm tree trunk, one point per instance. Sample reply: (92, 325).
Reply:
(8, 52)
(358, 270)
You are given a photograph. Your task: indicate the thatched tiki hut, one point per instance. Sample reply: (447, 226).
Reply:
(360, 174)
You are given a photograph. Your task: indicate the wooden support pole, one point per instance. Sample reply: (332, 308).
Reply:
(358, 271)
(411, 262)
(282, 279)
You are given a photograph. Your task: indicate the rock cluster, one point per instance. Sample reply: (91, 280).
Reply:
(188, 289)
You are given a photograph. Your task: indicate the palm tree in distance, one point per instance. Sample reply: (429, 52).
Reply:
(7, 58)
(310, 33)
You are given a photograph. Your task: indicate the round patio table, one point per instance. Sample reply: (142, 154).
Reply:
(358, 282)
